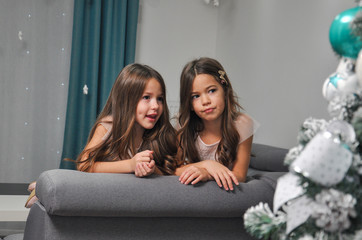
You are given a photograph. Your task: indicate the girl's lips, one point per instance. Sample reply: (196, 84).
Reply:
(209, 110)
(152, 117)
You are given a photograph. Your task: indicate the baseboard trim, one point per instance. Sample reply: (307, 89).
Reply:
(14, 188)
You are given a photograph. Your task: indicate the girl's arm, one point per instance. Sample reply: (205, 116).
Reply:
(221, 174)
(241, 164)
(121, 166)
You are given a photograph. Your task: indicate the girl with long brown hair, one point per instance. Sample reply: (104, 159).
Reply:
(215, 134)
(133, 133)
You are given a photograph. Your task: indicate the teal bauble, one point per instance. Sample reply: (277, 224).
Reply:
(341, 37)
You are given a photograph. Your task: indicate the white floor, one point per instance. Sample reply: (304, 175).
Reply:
(12, 208)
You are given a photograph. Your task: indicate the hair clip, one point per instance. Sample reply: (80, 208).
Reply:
(222, 77)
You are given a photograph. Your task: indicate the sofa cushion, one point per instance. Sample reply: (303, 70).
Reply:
(268, 158)
(42, 226)
(73, 193)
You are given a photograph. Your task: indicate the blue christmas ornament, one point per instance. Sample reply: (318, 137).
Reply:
(343, 41)
(334, 79)
(344, 80)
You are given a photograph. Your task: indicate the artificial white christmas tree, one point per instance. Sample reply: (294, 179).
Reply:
(321, 196)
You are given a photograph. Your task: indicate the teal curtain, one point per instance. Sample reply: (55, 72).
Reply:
(104, 41)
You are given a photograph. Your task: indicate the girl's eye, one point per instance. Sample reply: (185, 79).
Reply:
(212, 90)
(146, 97)
(160, 99)
(194, 96)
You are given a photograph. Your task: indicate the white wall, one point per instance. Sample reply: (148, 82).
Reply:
(276, 52)
(278, 55)
(173, 32)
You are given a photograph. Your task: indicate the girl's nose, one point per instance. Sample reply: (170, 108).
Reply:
(205, 99)
(154, 104)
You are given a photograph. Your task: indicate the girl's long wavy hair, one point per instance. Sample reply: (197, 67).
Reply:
(121, 106)
(191, 124)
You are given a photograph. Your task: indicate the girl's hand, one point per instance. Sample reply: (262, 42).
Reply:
(221, 174)
(144, 169)
(193, 175)
(142, 157)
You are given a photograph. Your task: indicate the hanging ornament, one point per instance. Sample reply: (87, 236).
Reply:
(341, 36)
(343, 130)
(344, 80)
(85, 89)
(20, 35)
(325, 160)
(287, 188)
(298, 212)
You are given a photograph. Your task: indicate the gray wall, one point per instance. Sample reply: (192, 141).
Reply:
(173, 32)
(276, 52)
(35, 47)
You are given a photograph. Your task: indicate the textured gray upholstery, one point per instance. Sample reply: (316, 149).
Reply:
(77, 205)
(267, 158)
(73, 193)
(52, 227)
(18, 236)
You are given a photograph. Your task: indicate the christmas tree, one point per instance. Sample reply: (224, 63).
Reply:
(321, 195)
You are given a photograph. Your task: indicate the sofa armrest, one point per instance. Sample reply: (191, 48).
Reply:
(268, 158)
(73, 193)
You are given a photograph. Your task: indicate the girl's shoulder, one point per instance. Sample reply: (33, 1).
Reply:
(106, 122)
(246, 126)
(107, 119)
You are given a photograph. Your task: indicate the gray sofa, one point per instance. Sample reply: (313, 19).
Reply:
(78, 205)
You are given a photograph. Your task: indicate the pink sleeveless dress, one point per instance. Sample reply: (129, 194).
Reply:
(246, 127)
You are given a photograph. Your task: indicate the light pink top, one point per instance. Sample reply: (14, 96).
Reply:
(245, 126)
(107, 124)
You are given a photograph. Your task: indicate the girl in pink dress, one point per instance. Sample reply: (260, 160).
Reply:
(215, 134)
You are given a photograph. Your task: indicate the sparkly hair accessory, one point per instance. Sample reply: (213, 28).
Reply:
(222, 77)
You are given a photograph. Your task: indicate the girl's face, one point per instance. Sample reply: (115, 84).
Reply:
(150, 106)
(207, 98)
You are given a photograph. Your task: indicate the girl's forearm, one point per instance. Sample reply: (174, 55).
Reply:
(121, 166)
(240, 176)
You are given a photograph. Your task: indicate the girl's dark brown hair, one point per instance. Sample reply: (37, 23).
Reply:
(121, 106)
(191, 124)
